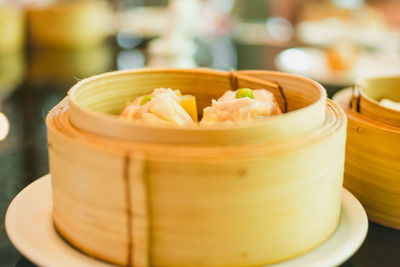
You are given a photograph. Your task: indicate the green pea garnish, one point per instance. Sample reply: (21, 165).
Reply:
(145, 99)
(245, 92)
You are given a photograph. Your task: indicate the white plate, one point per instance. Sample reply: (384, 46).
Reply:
(329, 30)
(30, 228)
(312, 63)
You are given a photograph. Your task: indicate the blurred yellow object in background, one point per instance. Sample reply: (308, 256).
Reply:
(12, 29)
(317, 10)
(12, 69)
(69, 24)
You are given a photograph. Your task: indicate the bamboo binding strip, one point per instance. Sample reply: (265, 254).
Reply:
(243, 195)
(372, 168)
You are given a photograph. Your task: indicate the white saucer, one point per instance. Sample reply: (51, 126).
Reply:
(30, 228)
(312, 63)
(323, 33)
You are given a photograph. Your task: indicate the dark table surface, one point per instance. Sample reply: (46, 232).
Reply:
(42, 78)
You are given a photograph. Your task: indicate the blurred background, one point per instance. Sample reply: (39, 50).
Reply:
(48, 45)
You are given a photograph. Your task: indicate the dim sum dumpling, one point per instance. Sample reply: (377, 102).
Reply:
(239, 106)
(163, 106)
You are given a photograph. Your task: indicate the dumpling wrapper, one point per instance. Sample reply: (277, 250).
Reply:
(164, 108)
(229, 110)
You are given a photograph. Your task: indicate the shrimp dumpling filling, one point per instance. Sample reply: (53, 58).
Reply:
(241, 106)
(163, 106)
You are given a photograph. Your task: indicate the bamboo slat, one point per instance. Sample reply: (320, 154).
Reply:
(12, 68)
(372, 168)
(198, 202)
(69, 24)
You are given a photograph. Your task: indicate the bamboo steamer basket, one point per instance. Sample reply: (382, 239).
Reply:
(243, 195)
(12, 29)
(372, 168)
(69, 24)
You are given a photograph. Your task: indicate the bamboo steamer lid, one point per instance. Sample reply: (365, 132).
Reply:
(69, 24)
(372, 168)
(154, 201)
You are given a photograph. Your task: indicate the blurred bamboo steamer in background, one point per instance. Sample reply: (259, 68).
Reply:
(372, 169)
(242, 195)
(12, 29)
(69, 24)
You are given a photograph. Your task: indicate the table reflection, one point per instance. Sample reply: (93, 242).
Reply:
(59, 66)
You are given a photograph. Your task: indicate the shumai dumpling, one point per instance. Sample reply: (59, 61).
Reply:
(241, 106)
(163, 106)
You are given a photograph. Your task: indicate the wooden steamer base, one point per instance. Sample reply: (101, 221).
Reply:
(244, 195)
